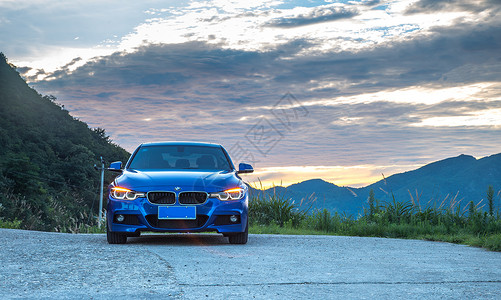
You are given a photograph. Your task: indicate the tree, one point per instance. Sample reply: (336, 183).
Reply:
(46, 158)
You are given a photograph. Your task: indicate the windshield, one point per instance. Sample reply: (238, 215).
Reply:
(178, 157)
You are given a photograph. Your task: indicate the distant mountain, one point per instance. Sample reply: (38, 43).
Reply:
(47, 179)
(463, 178)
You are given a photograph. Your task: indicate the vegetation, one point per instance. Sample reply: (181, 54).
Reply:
(471, 226)
(490, 199)
(47, 179)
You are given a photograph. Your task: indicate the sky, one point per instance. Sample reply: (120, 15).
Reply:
(340, 90)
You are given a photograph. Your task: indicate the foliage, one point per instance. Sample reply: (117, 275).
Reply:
(372, 204)
(393, 219)
(274, 209)
(47, 179)
(490, 199)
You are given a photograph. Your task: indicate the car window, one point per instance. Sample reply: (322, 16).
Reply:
(178, 157)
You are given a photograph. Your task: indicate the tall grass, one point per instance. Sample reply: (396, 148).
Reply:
(275, 213)
(395, 219)
(276, 210)
(51, 217)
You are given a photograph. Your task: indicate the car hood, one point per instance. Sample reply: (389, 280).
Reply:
(144, 181)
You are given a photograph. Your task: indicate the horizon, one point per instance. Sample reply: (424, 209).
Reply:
(338, 90)
(258, 185)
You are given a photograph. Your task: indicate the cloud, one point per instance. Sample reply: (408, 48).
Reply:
(23, 70)
(489, 117)
(371, 2)
(107, 94)
(184, 77)
(431, 6)
(216, 87)
(427, 59)
(314, 16)
(388, 99)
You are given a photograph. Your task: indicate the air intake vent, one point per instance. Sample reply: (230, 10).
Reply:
(177, 224)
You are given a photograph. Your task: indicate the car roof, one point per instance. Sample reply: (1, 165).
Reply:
(180, 143)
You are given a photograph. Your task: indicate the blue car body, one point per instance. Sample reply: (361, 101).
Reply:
(178, 187)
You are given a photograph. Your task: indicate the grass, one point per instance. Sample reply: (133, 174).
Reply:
(14, 224)
(469, 225)
(489, 241)
(275, 214)
(53, 217)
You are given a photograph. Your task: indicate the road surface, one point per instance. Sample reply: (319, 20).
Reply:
(204, 266)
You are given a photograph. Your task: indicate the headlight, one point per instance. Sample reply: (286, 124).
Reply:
(125, 194)
(231, 194)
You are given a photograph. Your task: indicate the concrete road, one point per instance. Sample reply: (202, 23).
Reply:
(200, 266)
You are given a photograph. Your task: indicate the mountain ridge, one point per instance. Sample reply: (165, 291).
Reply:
(463, 178)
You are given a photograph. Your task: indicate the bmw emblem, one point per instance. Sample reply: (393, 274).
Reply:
(177, 188)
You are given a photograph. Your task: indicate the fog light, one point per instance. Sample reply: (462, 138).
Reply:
(233, 218)
(120, 218)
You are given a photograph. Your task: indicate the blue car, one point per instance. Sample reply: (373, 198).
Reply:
(178, 187)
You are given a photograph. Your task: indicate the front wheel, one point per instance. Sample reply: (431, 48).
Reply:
(115, 237)
(241, 237)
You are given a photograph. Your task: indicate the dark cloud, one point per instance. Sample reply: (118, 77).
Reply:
(247, 14)
(170, 69)
(201, 91)
(402, 115)
(63, 71)
(381, 135)
(23, 70)
(430, 6)
(33, 77)
(106, 94)
(371, 2)
(316, 15)
(426, 59)
(463, 54)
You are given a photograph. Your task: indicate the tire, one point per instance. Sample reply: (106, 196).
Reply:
(115, 237)
(241, 237)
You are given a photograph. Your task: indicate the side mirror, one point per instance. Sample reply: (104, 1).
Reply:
(116, 167)
(245, 168)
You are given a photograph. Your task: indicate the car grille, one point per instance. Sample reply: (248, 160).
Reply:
(192, 197)
(162, 197)
(177, 224)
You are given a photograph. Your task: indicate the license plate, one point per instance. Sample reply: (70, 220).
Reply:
(177, 212)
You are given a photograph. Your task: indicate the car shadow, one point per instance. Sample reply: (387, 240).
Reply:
(181, 239)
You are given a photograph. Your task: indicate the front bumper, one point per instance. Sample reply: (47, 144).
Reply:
(141, 215)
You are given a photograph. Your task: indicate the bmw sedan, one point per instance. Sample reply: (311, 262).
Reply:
(178, 187)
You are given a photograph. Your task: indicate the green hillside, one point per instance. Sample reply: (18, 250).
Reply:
(47, 179)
